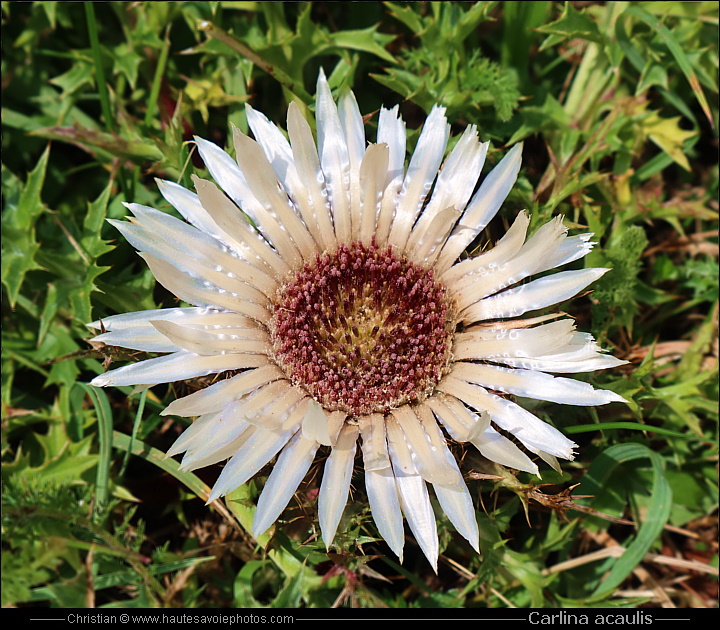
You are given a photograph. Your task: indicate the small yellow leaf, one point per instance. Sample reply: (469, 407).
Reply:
(206, 93)
(667, 134)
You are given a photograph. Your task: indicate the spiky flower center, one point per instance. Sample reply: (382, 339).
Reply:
(363, 330)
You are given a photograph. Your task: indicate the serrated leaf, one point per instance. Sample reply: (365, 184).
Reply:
(685, 396)
(549, 116)
(80, 296)
(471, 19)
(653, 74)
(667, 134)
(406, 15)
(79, 74)
(93, 222)
(571, 25)
(69, 463)
(18, 227)
(445, 69)
(75, 284)
(126, 62)
(404, 83)
(67, 467)
(574, 185)
(291, 51)
(78, 288)
(365, 40)
(30, 206)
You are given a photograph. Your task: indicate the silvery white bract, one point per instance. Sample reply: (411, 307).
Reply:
(341, 311)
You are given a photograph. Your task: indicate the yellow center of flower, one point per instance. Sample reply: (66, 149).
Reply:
(363, 330)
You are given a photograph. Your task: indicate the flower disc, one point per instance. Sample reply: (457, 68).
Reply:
(363, 330)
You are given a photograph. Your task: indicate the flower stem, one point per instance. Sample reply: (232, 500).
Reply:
(157, 79)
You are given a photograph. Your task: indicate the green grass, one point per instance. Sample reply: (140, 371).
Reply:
(618, 108)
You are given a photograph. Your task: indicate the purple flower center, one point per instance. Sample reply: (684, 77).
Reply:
(363, 330)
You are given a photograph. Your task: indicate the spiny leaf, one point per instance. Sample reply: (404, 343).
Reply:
(365, 40)
(18, 225)
(69, 463)
(667, 134)
(572, 24)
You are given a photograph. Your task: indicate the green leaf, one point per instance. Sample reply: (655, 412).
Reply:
(677, 52)
(18, 226)
(17, 120)
(126, 62)
(30, 206)
(614, 295)
(292, 592)
(404, 83)
(126, 578)
(574, 185)
(50, 9)
(654, 74)
(243, 585)
(91, 247)
(571, 25)
(68, 464)
(667, 134)
(521, 20)
(126, 148)
(548, 117)
(692, 496)
(69, 82)
(656, 517)
(527, 573)
(105, 428)
(71, 593)
(683, 397)
(630, 426)
(443, 68)
(365, 40)
(407, 15)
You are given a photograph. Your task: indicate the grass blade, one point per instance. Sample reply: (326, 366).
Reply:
(637, 426)
(99, 71)
(136, 426)
(105, 427)
(157, 80)
(656, 518)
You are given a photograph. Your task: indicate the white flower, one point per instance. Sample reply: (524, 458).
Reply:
(341, 312)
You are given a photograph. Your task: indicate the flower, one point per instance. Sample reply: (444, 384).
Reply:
(337, 307)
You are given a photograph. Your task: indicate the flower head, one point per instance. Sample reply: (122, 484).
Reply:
(327, 291)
